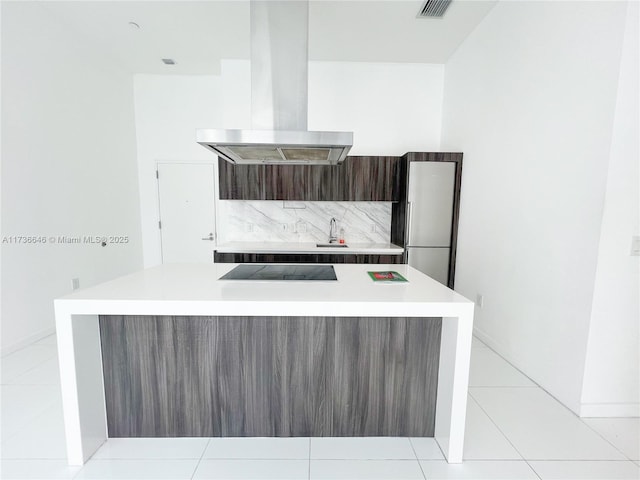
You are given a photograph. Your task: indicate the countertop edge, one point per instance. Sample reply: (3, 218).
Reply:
(300, 250)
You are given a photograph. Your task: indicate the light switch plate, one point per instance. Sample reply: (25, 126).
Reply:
(635, 246)
(293, 205)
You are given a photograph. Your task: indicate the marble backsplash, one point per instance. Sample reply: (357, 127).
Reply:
(289, 221)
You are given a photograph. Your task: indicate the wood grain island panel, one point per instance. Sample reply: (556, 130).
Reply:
(173, 376)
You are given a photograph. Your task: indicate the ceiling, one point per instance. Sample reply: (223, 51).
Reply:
(198, 34)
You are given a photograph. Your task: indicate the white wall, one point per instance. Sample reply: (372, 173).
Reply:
(530, 99)
(612, 369)
(169, 109)
(68, 168)
(391, 108)
(386, 106)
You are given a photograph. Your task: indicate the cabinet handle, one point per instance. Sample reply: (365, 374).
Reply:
(210, 237)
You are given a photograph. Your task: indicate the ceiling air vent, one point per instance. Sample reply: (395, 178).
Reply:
(434, 8)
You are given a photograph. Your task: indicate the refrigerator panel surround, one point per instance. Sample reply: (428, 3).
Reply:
(430, 195)
(430, 261)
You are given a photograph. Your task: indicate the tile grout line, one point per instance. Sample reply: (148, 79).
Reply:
(228, 459)
(75, 475)
(2, 381)
(626, 458)
(504, 386)
(440, 448)
(503, 434)
(516, 369)
(309, 464)
(555, 399)
(30, 418)
(580, 460)
(42, 340)
(417, 459)
(519, 371)
(558, 401)
(204, 450)
(605, 438)
(339, 459)
(31, 345)
(536, 384)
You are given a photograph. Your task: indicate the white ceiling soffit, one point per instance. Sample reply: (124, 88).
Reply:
(198, 34)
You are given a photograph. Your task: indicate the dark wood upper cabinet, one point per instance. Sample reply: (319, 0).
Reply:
(241, 181)
(370, 178)
(357, 179)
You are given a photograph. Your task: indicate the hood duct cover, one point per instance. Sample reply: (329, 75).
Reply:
(279, 84)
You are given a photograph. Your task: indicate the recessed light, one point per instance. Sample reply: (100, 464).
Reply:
(134, 26)
(168, 61)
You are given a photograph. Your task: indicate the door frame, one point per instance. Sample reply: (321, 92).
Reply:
(216, 197)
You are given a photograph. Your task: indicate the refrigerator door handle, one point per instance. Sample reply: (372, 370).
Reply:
(409, 222)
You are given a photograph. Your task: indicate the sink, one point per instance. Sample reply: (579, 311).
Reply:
(332, 245)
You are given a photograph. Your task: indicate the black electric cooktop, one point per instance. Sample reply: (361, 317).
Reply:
(281, 272)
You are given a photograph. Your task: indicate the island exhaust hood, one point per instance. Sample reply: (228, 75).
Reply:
(279, 73)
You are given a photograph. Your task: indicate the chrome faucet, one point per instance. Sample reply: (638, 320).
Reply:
(333, 235)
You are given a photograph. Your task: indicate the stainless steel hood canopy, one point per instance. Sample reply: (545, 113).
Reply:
(279, 75)
(277, 146)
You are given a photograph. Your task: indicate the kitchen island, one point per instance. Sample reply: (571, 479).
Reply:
(156, 352)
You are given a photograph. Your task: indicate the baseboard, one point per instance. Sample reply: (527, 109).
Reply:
(486, 339)
(610, 410)
(26, 341)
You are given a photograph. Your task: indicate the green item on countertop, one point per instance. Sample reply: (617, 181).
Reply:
(387, 277)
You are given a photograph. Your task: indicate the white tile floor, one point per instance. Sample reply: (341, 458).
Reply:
(514, 431)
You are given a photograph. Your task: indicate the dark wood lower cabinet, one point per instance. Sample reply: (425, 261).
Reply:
(270, 376)
(303, 258)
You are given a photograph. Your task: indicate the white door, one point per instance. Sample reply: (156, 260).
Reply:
(187, 212)
(430, 261)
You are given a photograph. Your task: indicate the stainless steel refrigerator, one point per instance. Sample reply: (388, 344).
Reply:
(430, 217)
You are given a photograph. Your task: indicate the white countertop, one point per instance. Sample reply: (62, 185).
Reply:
(195, 289)
(309, 247)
